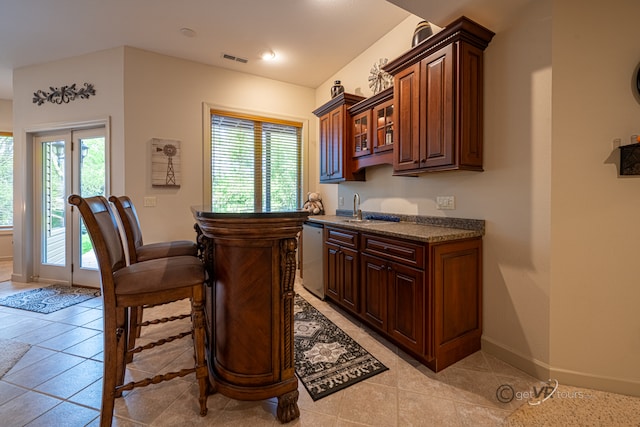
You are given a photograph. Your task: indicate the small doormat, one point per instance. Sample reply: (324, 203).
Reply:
(49, 299)
(326, 358)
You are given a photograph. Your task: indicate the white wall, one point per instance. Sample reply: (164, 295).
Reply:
(6, 125)
(105, 70)
(164, 98)
(595, 282)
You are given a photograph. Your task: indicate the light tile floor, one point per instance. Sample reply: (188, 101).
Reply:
(58, 381)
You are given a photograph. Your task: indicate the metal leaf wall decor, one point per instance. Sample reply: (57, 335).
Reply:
(63, 94)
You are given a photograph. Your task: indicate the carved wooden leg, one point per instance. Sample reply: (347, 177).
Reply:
(288, 407)
(202, 373)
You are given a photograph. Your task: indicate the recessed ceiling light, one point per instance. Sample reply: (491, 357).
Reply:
(187, 32)
(267, 55)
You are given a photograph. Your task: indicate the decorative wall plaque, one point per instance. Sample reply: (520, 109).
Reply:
(63, 94)
(165, 163)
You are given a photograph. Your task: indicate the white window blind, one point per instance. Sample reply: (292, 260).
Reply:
(255, 163)
(6, 180)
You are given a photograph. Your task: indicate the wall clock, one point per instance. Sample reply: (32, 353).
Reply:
(379, 79)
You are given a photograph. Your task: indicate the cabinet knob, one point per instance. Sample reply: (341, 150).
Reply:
(389, 267)
(415, 161)
(424, 160)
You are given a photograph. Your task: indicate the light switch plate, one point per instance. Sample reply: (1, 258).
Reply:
(150, 202)
(445, 202)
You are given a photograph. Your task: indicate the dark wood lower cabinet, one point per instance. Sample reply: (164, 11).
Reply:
(374, 291)
(392, 300)
(457, 300)
(406, 306)
(426, 298)
(341, 270)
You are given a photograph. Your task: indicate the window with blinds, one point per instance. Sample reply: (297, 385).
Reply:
(255, 163)
(6, 180)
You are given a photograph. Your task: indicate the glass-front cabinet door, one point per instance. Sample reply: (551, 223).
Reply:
(383, 115)
(362, 134)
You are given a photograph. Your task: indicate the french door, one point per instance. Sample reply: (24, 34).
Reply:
(69, 162)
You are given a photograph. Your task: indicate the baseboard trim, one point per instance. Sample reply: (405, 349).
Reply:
(535, 368)
(544, 371)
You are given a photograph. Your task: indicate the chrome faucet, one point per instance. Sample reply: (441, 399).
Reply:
(357, 213)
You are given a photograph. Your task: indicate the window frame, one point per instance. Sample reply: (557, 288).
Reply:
(301, 124)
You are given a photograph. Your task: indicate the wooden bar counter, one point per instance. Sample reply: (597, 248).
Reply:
(250, 258)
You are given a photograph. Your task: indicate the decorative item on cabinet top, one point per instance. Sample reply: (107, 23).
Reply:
(336, 89)
(379, 79)
(462, 29)
(422, 32)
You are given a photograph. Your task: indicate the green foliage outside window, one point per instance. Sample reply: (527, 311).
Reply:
(255, 164)
(6, 180)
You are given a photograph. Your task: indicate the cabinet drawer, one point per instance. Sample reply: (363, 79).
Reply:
(409, 253)
(342, 237)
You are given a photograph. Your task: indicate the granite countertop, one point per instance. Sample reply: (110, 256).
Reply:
(419, 228)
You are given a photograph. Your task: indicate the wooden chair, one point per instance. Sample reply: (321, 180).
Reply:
(138, 251)
(152, 282)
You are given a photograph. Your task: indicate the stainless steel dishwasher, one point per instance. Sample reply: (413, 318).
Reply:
(312, 258)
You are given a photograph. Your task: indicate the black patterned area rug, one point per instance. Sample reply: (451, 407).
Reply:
(326, 358)
(49, 299)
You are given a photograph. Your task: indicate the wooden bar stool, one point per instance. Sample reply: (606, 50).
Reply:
(138, 251)
(152, 282)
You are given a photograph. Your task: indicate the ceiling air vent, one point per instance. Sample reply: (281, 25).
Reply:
(234, 58)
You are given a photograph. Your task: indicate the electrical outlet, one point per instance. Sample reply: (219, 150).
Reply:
(340, 201)
(150, 202)
(445, 202)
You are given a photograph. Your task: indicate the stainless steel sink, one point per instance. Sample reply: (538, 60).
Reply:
(361, 221)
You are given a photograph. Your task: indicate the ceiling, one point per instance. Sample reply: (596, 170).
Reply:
(312, 39)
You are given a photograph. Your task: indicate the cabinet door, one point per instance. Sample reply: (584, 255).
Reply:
(361, 131)
(326, 168)
(332, 272)
(437, 115)
(374, 291)
(406, 306)
(350, 278)
(341, 276)
(336, 133)
(382, 127)
(406, 152)
(470, 93)
(331, 151)
(457, 282)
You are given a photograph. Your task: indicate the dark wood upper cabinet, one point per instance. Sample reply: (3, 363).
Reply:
(431, 119)
(438, 98)
(336, 163)
(373, 130)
